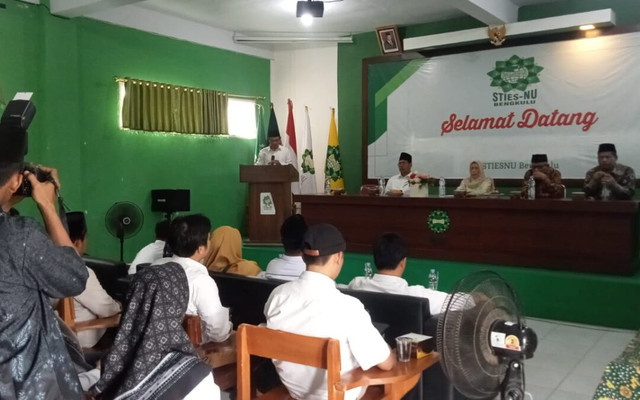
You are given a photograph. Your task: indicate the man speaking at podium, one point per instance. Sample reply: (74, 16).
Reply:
(275, 153)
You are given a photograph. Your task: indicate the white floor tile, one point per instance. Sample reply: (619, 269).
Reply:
(541, 327)
(562, 348)
(591, 365)
(575, 335)
(554, 362)
(575, 383)
(538, 392)
(549, 378)
(562, 395)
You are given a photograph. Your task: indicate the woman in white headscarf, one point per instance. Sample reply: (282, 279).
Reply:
(476, 184)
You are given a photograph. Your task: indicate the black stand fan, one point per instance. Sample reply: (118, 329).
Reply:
(483, 340)
(124, 220)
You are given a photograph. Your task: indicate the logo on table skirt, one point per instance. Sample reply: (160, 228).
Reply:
(438, 221)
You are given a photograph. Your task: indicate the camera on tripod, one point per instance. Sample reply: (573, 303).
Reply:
(16, 118)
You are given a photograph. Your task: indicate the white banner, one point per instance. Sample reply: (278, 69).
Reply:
(500, 106)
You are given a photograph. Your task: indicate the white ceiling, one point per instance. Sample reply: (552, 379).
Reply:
(348, 16)
(223, 18)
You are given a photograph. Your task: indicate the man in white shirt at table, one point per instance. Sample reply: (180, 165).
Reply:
(153, 251)
(312, 306)
(398, 185)
(189, 241)
(94, 302)
(390, 258)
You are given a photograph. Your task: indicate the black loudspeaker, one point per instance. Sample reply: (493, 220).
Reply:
(170, 200)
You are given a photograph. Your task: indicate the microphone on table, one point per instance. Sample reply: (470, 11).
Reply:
(273, 158)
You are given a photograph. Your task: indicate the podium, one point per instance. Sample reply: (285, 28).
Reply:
(270, 200)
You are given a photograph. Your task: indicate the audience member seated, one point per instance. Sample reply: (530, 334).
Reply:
(189, 241)
(152, 356)
(390, 258)
(225, 253)
(312, 306)
(548, 179)
(35, 265)
(398, 185)
(477, 184)
(619, 179)
(153, 251)
(93, 302)
(289, 266)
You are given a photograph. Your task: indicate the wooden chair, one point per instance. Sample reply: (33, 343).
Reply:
(220, 356)
(316, 352)
(67, 313)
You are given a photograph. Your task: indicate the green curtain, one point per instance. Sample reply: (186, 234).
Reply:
(153, 106)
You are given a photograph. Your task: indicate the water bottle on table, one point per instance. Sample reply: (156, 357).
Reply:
(368, 271)
(606, 192)
(442, 191)
(433, 279)
(531, 191)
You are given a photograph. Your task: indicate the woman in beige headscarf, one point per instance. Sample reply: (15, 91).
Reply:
(225, 253)
(477, 184)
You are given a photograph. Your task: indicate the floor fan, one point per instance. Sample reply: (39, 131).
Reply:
(124, 220)
(482, 338)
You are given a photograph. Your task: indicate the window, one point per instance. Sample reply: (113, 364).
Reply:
(241, 116)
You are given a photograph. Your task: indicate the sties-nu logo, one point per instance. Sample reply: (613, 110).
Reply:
(513, 75)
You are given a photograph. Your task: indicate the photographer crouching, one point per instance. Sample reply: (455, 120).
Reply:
(34, 266)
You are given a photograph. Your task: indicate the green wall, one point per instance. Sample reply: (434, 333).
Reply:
(70, 65)
(365, 45)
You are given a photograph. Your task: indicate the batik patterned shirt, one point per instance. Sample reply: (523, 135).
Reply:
(34, 363)
(624, 176)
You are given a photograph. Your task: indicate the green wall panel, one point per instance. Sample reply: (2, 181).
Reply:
(71, 66)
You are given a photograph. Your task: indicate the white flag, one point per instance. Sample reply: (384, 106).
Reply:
(307, 167)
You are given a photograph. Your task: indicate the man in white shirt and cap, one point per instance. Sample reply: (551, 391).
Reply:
(312, 306)
(398, 185)
(390, 258)
(94, 302)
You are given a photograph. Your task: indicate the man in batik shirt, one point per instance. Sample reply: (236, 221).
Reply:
(34, 266)
(548, 179)
(617, 181)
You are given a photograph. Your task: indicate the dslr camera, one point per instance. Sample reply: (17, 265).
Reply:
(16, 118)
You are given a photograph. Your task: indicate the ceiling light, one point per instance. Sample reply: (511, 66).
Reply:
(306, 19)
(313, 8)
(587, 27)
(266, 37)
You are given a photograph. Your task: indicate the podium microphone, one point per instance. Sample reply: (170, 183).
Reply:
(273, 158)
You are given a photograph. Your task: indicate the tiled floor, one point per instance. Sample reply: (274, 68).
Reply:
(570, 358)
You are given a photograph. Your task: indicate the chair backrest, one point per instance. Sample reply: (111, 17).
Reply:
(193, 326)
(312, 351)
(67, 312)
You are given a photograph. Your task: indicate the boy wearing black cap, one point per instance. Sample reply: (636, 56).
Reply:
(398, 185)
(615, 180)
(34, 266)
(548, 179)
(312, 306)
(94, 302)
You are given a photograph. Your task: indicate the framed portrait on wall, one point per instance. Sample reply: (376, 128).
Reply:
(389, 40)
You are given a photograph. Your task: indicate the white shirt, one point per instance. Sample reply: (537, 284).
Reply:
(312, 306)
(282, 154)
(204, 300)
(94, 302)
(286, 268)
(396, 285)
(398, 182)
(148, 254)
